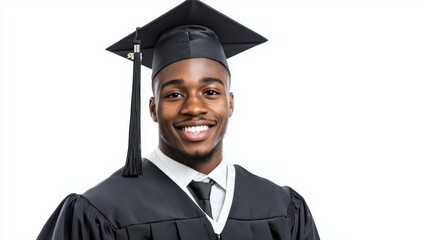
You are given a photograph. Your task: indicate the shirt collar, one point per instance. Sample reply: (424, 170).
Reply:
(219, 174)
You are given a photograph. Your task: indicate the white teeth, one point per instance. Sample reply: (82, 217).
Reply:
(196, 129)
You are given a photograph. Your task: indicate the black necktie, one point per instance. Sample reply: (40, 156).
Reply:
(202, 191)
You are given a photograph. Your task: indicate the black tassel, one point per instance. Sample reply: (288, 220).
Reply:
(133, 166)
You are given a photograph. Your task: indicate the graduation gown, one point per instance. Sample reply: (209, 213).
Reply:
(152, 206)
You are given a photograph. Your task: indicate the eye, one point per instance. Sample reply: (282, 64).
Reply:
(174, 95)
(211, 92)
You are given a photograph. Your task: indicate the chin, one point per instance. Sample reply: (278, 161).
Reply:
(196, 157)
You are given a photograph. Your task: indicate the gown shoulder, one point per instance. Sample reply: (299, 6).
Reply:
(299, 216)
(76, 218)
(282, 201)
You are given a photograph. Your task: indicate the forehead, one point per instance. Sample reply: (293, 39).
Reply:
(190, 70)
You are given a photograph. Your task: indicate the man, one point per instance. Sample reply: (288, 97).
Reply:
(184, 189)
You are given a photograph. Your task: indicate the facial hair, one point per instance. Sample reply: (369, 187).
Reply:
(197, 158)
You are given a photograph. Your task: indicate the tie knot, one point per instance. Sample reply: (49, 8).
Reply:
(201, 190)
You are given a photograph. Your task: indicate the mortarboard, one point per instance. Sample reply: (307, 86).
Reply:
(190, 30)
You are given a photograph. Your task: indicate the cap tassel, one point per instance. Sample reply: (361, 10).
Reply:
(133, 166)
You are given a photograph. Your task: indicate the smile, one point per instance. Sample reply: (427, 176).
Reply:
(196, 129)
(195, 133)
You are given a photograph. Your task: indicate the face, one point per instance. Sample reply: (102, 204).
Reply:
(192, 105)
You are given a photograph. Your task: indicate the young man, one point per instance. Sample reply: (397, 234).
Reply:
(184, 189)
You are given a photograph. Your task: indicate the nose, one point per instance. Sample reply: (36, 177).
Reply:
(194, 105)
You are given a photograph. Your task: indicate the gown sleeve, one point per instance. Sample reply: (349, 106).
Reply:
(302, 224)
(76, 219)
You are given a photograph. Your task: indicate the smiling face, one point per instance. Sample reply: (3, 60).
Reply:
(192, 105)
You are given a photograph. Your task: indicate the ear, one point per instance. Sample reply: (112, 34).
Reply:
(231, 104)
(152, 108)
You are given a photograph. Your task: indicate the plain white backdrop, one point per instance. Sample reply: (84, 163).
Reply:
(335, 105)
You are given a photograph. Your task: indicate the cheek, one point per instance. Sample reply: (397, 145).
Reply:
(162, 114)
(221, 112)
(222, 108)
(165, 113)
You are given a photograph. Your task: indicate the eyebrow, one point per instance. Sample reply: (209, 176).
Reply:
(211, 80)
(172, 82)
(181, 81)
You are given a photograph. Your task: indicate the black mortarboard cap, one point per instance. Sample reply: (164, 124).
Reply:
(190, 30)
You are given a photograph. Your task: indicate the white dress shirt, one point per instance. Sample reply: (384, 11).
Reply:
(221, 193)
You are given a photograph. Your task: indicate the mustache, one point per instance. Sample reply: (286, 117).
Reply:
(193, 122)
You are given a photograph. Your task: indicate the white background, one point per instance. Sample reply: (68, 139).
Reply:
(335, 105)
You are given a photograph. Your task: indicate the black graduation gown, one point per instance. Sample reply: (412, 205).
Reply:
(152, 206)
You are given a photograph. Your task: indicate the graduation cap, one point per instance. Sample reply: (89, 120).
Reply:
(190, 30)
